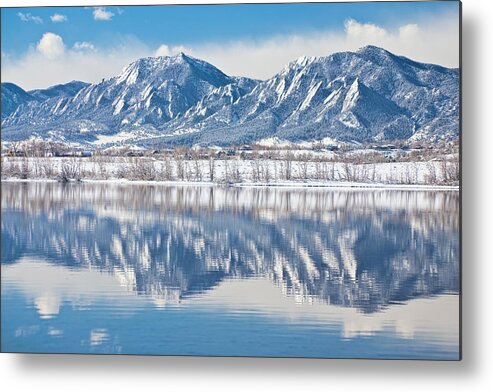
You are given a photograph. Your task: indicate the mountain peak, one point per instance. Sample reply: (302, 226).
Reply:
(157, 61)
(372, 49)
(179, 58)
(175, 58)
(147, 66)
(375, 53)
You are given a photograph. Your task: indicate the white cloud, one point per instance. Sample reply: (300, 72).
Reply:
(81, 46)
(28, 17)
(434, 41)
(82, 61)
(51, 46)
(355, 29)
(58, 18)
(101, 13)
(408, 31)
(165, 50)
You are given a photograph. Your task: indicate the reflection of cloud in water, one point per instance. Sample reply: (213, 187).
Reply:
(55, 332)
(48, 305)
(98, 336)
(437, 316)
(47, 286)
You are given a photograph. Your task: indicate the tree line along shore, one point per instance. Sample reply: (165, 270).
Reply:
(374, 164)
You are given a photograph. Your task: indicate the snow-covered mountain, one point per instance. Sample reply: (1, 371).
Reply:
(12, 97)
(368, 95)
(60, 90)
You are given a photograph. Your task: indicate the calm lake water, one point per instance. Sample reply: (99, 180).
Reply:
(197, 270)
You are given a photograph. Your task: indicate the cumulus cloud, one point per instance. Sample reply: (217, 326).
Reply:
(51, 46)
(434, 41)
(58, 18)
(28, 17)
(101, 13)
(355, 29)
(60, 63)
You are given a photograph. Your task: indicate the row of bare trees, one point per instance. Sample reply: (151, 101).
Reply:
(258, 170)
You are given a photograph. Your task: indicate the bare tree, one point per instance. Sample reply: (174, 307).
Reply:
(227, 172)
(318, 170)
(347, 172)
(14, 147)
(431, 174)
(142, 169)
(331, 171)
(25, 171)
(444, 171)
(235, 171)
(266, 171)
(122, 170)
(274, 162)
(47, 167)
(415, 172)
(69, 170)
(256, 169)
(180, 169)
(101, 168)
(167, 168)
(188, 171)
(198, 168)
(303, 164)
(454, 171)
(212, 169)
(288, 165)
(373, 173)
(406, 176)
(11, 168)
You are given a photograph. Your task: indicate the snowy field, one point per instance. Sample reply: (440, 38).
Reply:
(235, 171)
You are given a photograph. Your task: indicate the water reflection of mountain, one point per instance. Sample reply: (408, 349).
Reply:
(363, 249)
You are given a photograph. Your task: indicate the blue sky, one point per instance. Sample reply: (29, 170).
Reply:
(134, 31)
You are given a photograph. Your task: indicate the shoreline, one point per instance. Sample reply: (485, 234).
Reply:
(286, 185)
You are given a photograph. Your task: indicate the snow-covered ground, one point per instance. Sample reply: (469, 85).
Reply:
(235, 171)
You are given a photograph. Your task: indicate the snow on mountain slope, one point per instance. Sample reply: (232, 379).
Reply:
(148, 93)
(368, 95)
(60, 90)
(363, 96)
(12, 97)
